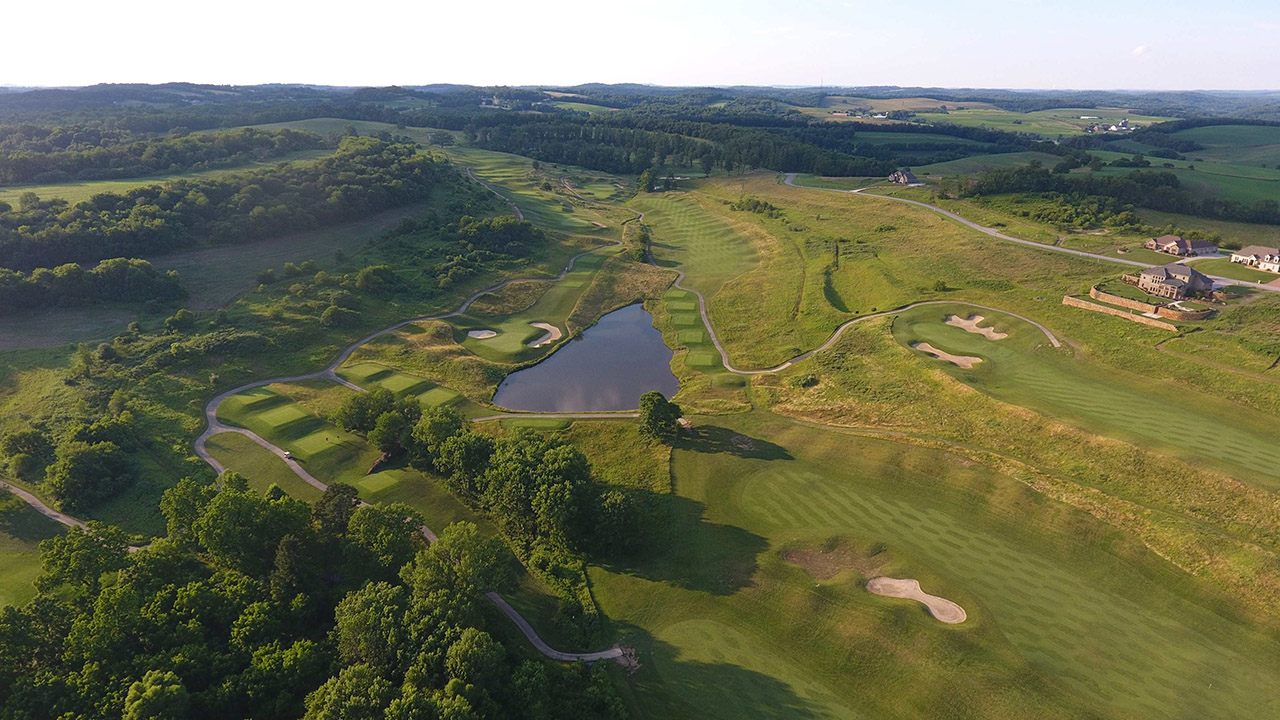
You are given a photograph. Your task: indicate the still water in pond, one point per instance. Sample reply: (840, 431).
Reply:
(616, 361)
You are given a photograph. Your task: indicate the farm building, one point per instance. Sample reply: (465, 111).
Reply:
(1174, 281)
(1174, 245)
(903, 177)
(1258, 256)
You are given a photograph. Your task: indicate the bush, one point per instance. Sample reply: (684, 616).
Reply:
(337, 317)
(806, 380)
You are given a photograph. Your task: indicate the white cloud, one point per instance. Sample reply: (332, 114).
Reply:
(1139, 51)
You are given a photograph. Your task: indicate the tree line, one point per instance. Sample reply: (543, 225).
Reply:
(69, 156)
(363, 176)
(114, 280)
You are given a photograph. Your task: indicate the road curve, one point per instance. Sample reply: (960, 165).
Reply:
(790, 180)
(40, 507)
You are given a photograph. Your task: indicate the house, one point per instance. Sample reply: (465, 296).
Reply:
(1258, 256)
(903, 177)
(1174, 281)
(1174, 245)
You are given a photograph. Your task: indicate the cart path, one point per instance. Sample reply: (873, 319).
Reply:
(40, 507)
(790, 180)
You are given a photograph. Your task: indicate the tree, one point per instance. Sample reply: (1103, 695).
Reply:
(84, 474)
(436, 426)
(461, 558)
(370, 627)
(390, 433)
(82, 556)
(182, 505)
(357, 693)
(391, 534)
(476, 659)
(333, 511)
(646, 181)
(159, 695)
(658, 416)
(360, 412)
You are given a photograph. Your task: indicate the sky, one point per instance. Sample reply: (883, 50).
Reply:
(1038, 44)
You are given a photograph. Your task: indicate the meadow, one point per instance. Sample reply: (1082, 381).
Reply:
(1046, 123)
(21, 530)
(1243, 144)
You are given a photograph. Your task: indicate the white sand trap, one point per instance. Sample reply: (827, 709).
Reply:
(941, 609)
(553, 334)
(970, 324)
(963, 361)
(481, 334)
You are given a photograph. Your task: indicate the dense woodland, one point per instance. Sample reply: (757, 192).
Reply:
(266, 607)
(35, 154)
(363, 176)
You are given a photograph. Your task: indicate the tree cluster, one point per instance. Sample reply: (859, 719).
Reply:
(114, 280)
(261, 606)
(364, 176)
(75, 156)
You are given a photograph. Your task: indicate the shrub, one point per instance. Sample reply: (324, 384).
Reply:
(338, 317)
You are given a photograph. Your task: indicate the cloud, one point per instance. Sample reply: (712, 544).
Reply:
(1139, 51)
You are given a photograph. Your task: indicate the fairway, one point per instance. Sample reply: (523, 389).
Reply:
(371, 375)
(1174, 420)
(1058, 626)
(21, 530)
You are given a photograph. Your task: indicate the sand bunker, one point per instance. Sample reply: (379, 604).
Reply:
(481, 334)
(552, 334)
(970, 324)
(941, 609)
(963, 361)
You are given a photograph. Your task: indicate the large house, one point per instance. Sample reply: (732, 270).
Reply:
(903, 177)
(1174, 245)
(1174, 281)
(1258, 256)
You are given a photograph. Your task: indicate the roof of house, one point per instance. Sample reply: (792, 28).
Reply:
(1257, 251)
(1163, 239)
(1172, 273)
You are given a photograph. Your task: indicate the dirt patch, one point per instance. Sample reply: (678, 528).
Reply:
(834, 557)
(970, 324)
(552, 334)
(963, 361)
(481, 334)
(942, 609)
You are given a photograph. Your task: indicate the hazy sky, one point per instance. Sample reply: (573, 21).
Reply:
(1170, 44)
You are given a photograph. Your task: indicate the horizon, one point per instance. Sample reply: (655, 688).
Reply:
(1042, 44)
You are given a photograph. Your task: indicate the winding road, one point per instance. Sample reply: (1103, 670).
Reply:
(790, 180)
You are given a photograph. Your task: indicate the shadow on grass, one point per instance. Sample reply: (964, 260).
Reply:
(667, 686)
(683, 549)
(715, 439)
(21, 522)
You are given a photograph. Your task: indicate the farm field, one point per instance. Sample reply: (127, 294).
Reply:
(979, 163)
(731, 625)
(75, 192)
(583, 107)
(1242, 183)
(1245, 144)
(1046, 123)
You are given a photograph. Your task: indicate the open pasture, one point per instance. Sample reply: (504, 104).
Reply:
(981, 163)
(1023, 371)
(1067, 617)
(1046, 123)
(1243, 144)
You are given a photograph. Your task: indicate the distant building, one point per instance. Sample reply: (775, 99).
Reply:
(1174, 281)
(1258, 256)
(1174, 245)
(903, 177)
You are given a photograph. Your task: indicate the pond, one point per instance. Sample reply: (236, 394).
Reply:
(609, 367)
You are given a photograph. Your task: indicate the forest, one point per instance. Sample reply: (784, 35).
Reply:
(363, 176)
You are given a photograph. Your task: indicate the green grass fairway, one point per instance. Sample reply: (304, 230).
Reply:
(259, 465)
(1235, 143)
(1067, 617)
(21, 530)
(327, 452)
(75, 192)
(370, 375)
(516, 179)
(1173, 419)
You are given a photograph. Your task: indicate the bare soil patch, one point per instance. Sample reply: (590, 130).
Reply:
(481, 334)
(970, 324)
(834, 557)
(942, 609)
(964, 361)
